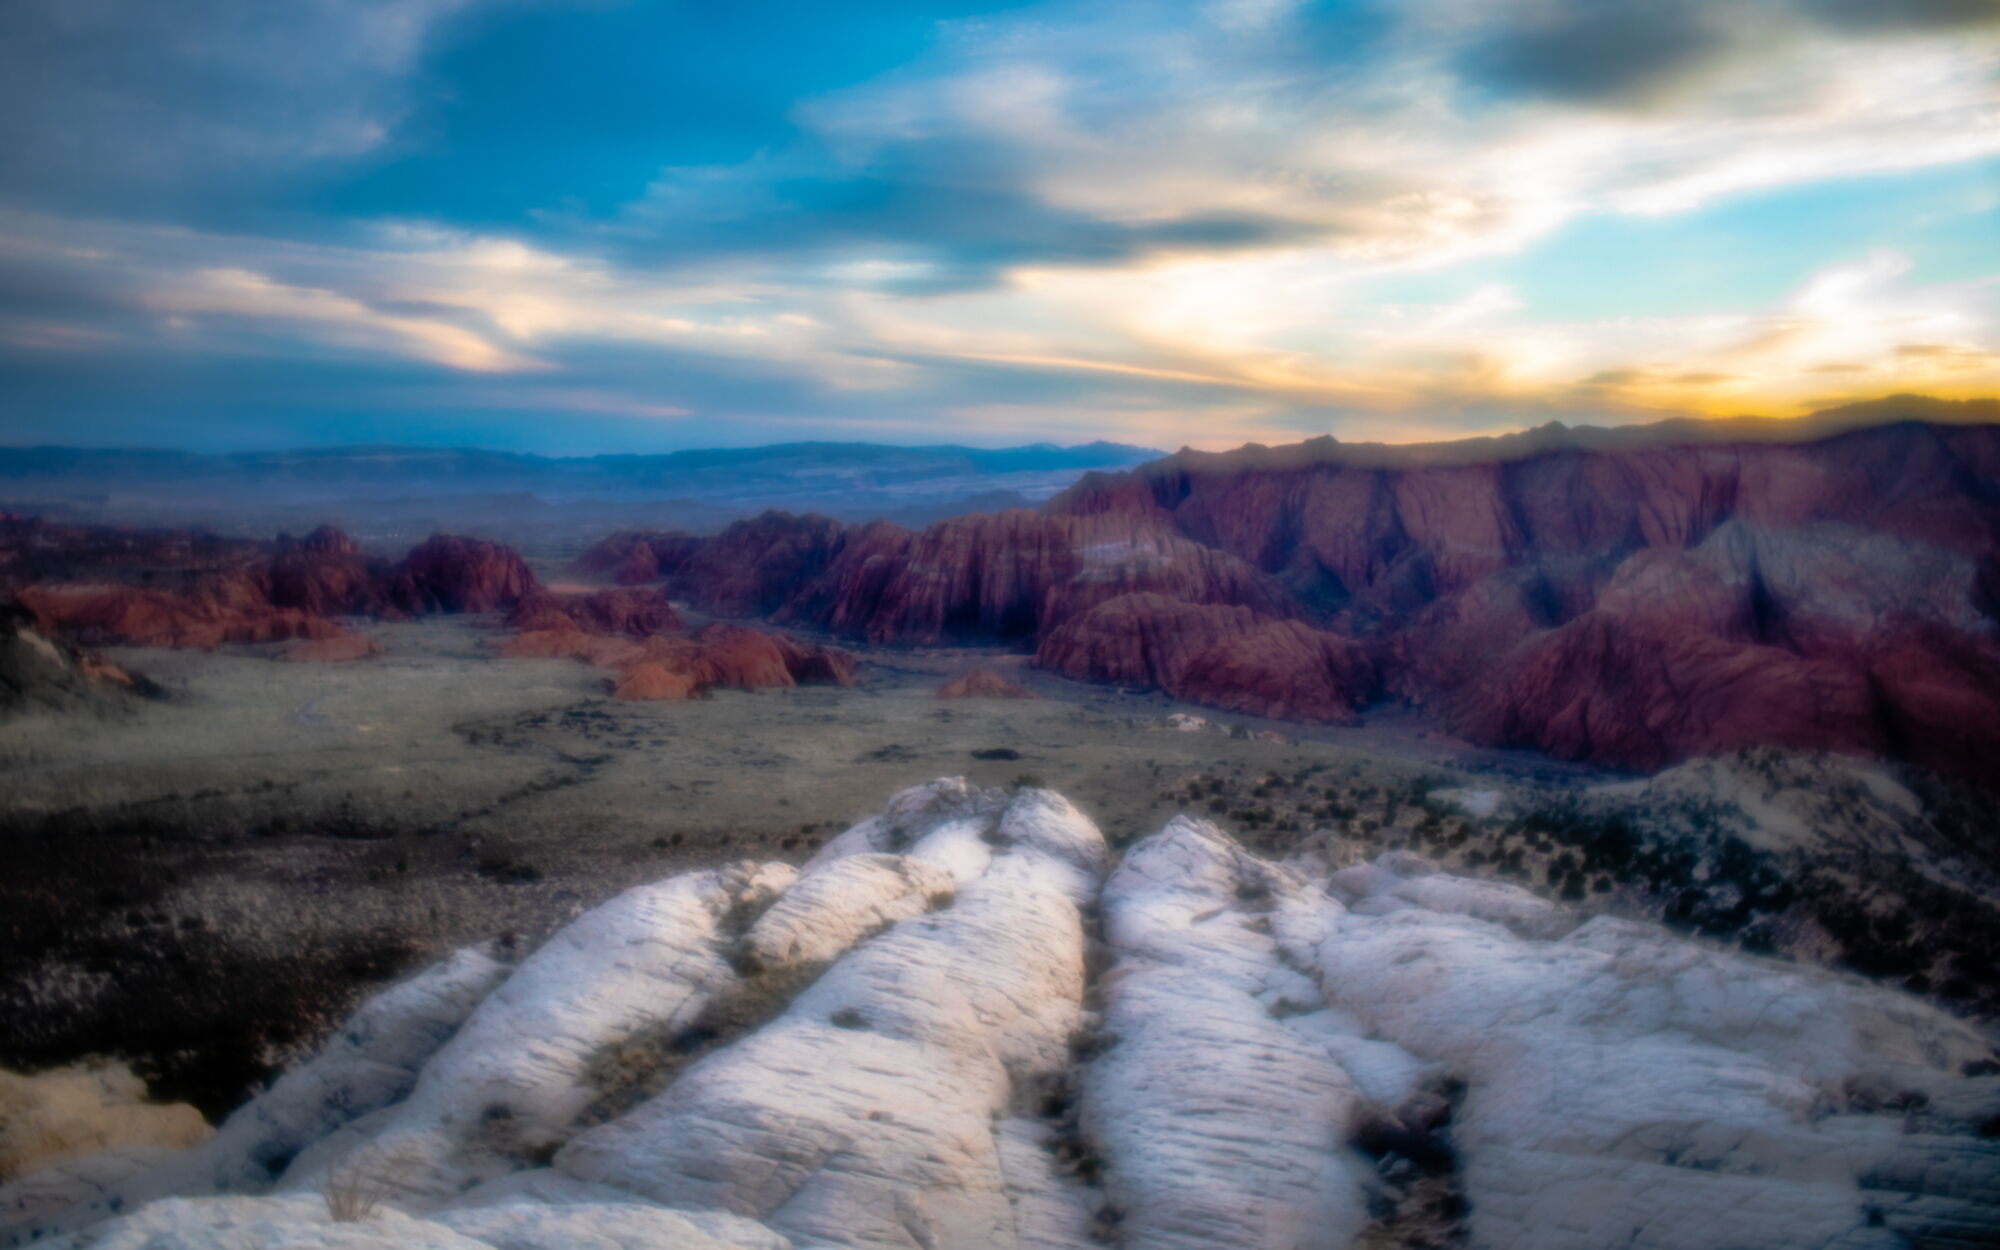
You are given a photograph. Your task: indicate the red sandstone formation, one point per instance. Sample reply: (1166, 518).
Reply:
(1635, 607)
(447, 573)
(571, 643)
(1626, 597)
(168, 588)
(987, 577)
(634, 557)
(1224, 656)
(632, 612)
(675, 666)
(337, 650)
(731, 655)
(652, 681)
(217, 611)
(753, 567)
(326, 574)
(982, 684)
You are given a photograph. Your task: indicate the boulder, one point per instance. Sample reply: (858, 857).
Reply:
(64, 1113)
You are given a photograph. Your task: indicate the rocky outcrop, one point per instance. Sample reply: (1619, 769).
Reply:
(175, 589)
(327, 574)
(43, 673)
(1002, 576)
(58, 1115)
(1634, 606)
(1011, 575)
(909, 1043)
(1630, 601)
(632, 613)
(634, 557)
(446, 573)
(681, 666)
(1222, 1114)
(1625, 597)
(215, 611)
(983, 684)
(747, 659)
(1227, 657)
(754, 567)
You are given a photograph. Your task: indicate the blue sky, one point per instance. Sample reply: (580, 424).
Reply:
(588, 225)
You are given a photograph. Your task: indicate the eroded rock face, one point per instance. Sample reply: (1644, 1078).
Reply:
(630, 613)
(1223, 656)
(752, 567)
(327, 574)
(217, 610)
(733, 655)
(1636, 607)
(1222, 1116)
(681, 666)
(1631, 601)
(43, 673)
(910, 1043)
(634, 557)
(106, 587)
(446, 573)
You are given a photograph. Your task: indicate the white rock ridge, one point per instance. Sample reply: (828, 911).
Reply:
(961, 1027)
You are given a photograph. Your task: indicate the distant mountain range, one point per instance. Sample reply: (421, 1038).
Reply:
(387, 494)
(392, 496)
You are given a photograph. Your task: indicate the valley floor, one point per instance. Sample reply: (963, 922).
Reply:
(205, 884)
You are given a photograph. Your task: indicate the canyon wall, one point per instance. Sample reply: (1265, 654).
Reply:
(1630, 606)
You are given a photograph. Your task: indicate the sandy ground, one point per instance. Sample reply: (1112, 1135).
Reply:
(202, 885)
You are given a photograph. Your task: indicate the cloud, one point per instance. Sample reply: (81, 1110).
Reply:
(1649, 54)
(1634, 52)
(130, 108)
(255, 302)
(1102, 212)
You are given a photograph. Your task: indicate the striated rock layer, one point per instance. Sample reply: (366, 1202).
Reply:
(1628, 599)
(962, 1025)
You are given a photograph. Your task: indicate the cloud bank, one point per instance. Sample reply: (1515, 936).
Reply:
(572, 226)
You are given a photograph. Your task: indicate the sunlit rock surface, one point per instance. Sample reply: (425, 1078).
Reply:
(968, 1023)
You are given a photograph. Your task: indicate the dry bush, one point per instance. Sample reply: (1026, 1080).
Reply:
(357, 1188)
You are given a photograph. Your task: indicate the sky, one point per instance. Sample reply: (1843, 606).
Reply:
(578, 226)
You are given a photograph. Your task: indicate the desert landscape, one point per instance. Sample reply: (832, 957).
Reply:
(344, 766)
(978, 625)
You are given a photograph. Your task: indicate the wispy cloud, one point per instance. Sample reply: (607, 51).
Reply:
(1071, 216)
